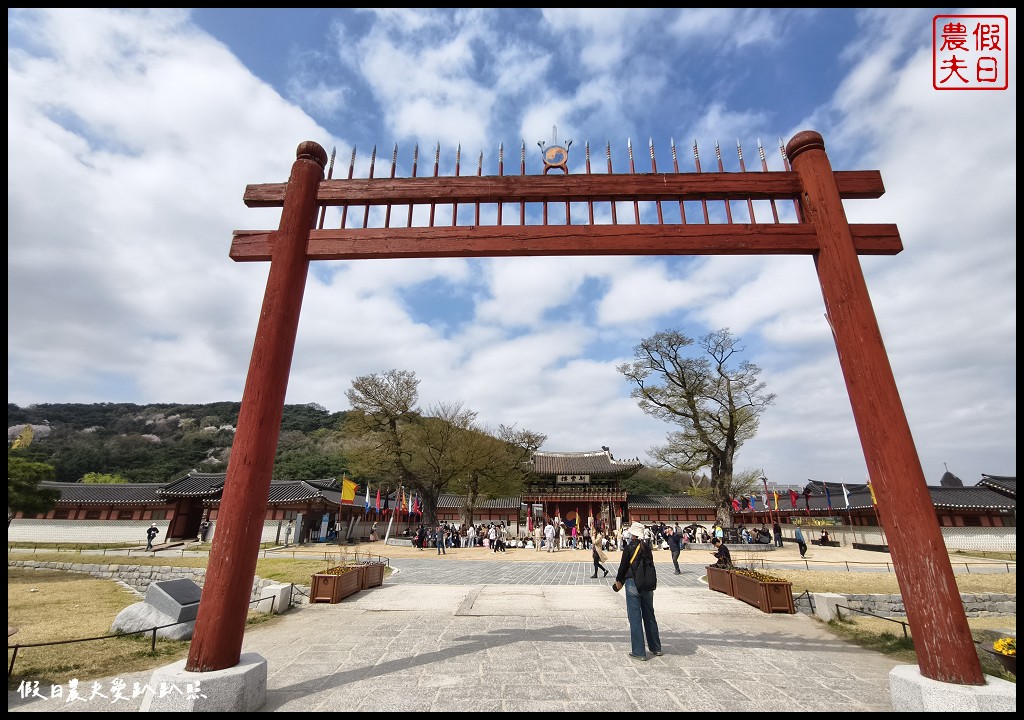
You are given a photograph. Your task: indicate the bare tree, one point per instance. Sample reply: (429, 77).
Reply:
(383, 417)
(432, 453)
(716, 400)
(499, 467)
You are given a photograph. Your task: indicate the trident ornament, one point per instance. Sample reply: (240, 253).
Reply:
(555, 155)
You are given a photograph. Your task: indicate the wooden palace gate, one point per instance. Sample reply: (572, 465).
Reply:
(807, 190)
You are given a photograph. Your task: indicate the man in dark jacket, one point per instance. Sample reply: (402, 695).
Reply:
(675, 545)
(639, 603)
(723, 554)
(151, 534)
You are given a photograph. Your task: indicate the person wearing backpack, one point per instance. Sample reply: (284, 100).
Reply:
(637, 574)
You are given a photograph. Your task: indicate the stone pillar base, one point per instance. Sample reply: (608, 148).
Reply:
(913, 692)
(242, 688)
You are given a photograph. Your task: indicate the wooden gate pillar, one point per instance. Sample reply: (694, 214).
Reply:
(220, 624)
(942, 637)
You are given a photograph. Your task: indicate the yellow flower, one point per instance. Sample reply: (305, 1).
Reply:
(1006, 646)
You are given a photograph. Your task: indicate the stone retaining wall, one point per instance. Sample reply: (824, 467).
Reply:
(138, 577)
(975, 604)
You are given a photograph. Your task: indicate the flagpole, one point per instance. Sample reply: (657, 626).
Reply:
(391, 519)
(771, 518)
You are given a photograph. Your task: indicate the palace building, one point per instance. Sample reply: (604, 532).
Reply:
(575, 487)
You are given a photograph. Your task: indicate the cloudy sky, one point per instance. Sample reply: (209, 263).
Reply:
(133, 134)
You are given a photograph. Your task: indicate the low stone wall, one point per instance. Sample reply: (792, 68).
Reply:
(990, 539)
(138, 577)
(734, 548)
(975, 604)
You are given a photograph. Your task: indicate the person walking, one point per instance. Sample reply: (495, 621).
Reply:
(800, 541)
(439, 540)
(151, 532)
(637, 574)
(675, 545)
(596, 554)
(538, 533)
(549, 536)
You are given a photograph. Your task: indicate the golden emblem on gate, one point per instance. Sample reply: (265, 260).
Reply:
(555, 155)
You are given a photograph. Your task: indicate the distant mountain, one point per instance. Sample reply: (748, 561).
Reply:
(160, 442)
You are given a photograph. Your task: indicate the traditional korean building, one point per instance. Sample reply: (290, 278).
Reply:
(992, 502)
(577, 486)
(572, 486)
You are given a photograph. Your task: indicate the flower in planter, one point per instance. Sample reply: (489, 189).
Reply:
(762, 577)
(1006, 646)
(340, 570)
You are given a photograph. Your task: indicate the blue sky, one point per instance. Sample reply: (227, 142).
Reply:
(132, 135)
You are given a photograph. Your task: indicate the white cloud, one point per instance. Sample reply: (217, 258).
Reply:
(132, 135)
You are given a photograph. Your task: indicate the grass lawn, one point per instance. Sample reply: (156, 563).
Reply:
(51, 605)
(46, 606)
(283, 570)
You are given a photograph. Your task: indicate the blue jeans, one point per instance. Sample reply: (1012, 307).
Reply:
(640, 611)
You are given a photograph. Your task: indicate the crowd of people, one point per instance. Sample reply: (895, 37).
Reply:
(554, 535)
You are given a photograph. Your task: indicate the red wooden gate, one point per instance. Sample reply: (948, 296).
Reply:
(808, 191)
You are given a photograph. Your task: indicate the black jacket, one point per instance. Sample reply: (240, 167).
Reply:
(625, 567)
(723, 555)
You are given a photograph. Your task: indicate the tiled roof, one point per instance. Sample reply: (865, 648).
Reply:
(595, 464)
(975, 497)
(454, 502)
(1000, 483)
(106, 494)
(290, 491)
(195, 484)
(641, 502)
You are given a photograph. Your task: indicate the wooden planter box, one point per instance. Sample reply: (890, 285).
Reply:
(372, 575)
(779, 596)
(767, 596)
(335, 585)
(720, 580)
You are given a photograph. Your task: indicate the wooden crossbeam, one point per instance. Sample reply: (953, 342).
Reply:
(853, 185)
(564, 240)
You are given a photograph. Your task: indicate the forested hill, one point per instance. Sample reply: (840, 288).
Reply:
(161, 442)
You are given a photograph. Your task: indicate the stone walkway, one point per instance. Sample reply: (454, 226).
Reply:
(493, 636)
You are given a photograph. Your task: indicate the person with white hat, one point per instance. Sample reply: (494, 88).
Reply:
(637, 574)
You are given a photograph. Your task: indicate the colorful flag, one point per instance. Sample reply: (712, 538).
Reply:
(378, 500)
(793, 498)
(776, 499)
(874, 500)
(348, 491)
(846, 495)
(366, 504)
(828, 498)
(403, 508)
(753, 503)
(736, 504)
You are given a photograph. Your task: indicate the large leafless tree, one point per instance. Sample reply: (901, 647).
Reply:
(715, 398)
